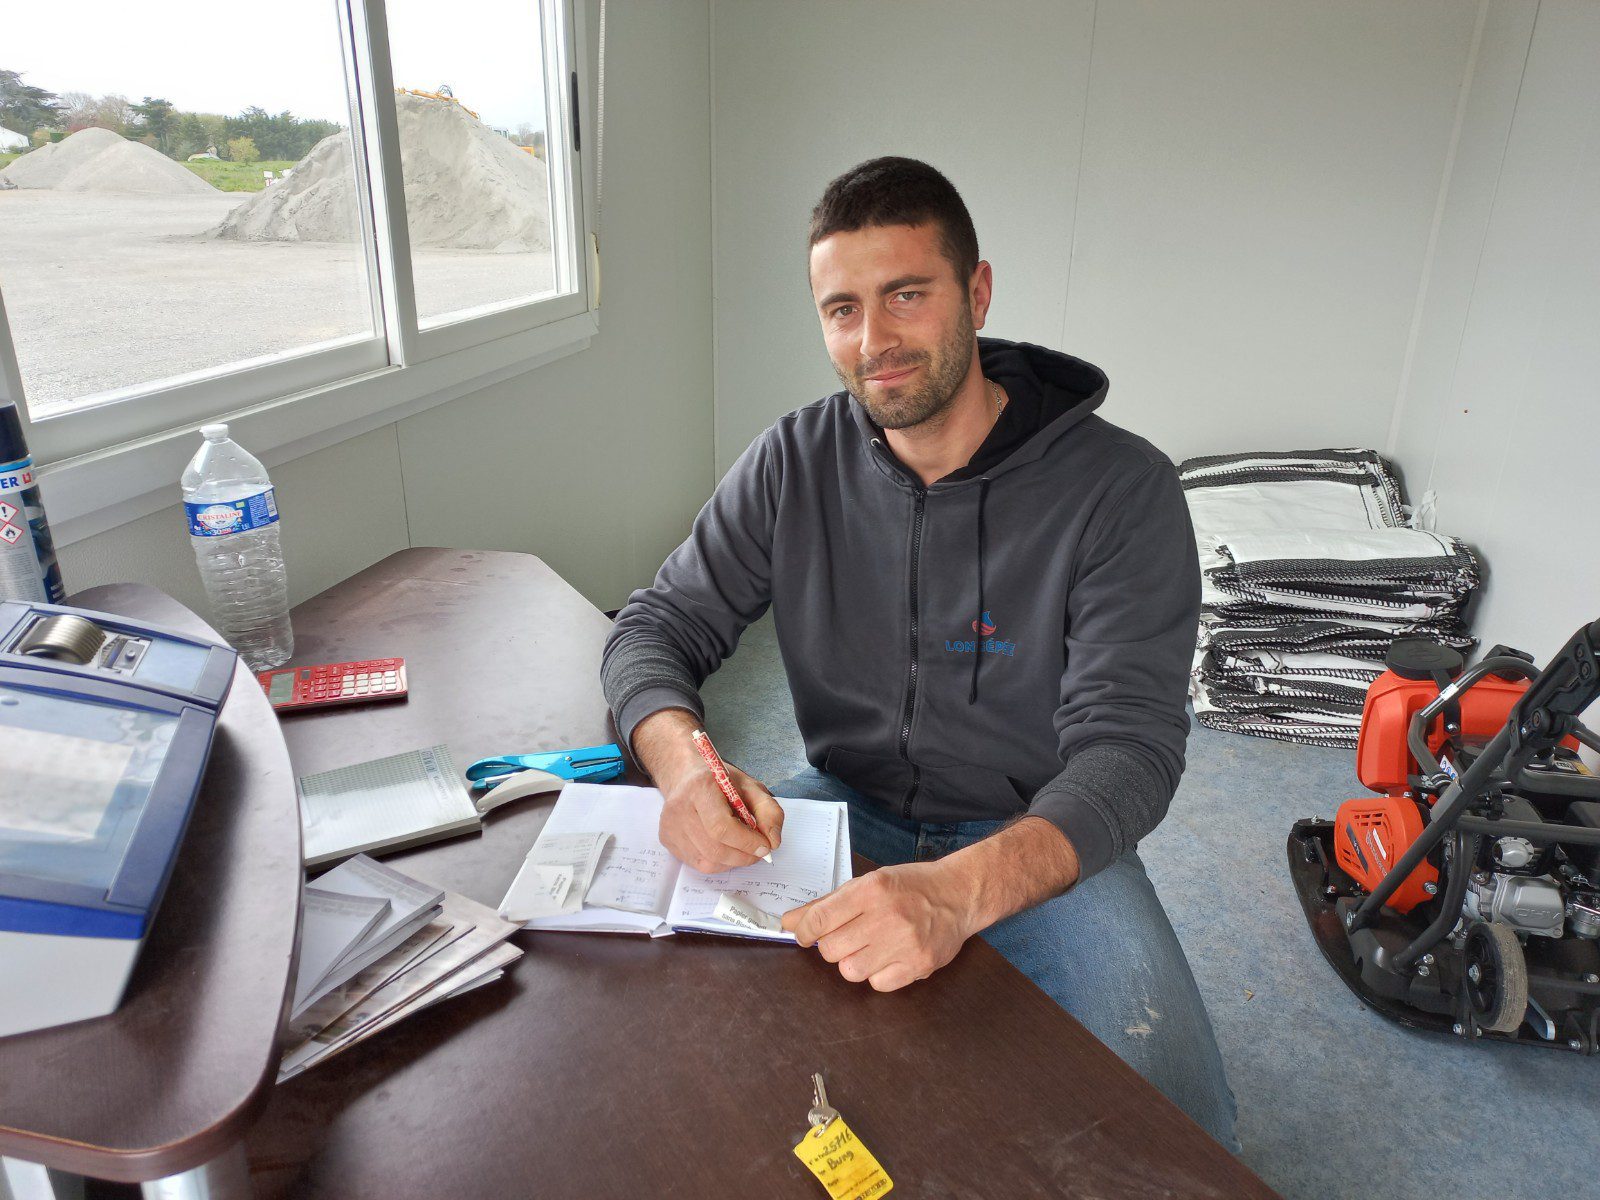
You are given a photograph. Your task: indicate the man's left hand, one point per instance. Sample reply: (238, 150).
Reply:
(891, 927)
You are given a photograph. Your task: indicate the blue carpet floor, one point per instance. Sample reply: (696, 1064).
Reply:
(1335, 1103)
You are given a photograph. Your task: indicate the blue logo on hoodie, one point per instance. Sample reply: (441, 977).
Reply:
(989, 644)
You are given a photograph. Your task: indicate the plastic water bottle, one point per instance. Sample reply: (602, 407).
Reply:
(233, 526)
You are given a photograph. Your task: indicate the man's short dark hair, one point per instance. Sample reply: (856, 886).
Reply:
(898, 191)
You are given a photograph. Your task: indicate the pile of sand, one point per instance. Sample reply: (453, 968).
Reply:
(466, 188)
(97, 160)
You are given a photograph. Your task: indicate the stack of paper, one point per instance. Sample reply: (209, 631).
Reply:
(599, 866)
(377, 946)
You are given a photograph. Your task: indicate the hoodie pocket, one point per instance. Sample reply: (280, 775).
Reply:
(967, 793)
(886, 780)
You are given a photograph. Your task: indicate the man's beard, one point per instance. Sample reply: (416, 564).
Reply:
(946, 366)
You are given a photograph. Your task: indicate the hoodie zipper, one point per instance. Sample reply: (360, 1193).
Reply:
(911, 678)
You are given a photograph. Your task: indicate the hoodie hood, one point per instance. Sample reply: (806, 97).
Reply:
(1050, 393)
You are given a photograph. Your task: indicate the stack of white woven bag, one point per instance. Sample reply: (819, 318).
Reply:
(1310, 570)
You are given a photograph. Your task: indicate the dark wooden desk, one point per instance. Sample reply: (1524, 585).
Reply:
(611, 1066)
(171, 1080)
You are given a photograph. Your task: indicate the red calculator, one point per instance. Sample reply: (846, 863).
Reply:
(291, 689)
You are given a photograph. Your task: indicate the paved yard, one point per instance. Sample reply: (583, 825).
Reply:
(107, 291)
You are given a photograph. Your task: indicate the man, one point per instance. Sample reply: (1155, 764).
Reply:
(986, 599)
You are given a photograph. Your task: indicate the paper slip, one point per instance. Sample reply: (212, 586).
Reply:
(555, 877)
(484, 931)
(410, 906)
(471, 985)
(485, 970)
(634, 877)
(736, 910)
(330, 925)
(430, 939)
(489, 967)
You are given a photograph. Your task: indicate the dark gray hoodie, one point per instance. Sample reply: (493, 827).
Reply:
(1014, 638)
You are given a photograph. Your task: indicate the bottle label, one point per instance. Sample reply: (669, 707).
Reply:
(16, 476)
(23, 576)
(218, 519)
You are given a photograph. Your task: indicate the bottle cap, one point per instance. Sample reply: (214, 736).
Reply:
(215, 433)
(12, 446)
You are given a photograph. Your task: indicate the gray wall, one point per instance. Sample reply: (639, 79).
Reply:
(597, 462)
(1225, 205)
(1276, 224)
(1499, 414)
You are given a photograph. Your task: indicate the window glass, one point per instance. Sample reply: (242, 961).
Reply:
(178, 192)
(471, 100)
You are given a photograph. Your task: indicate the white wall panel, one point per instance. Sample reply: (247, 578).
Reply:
(598, 463)
(1501, 418)
(341, 510)
(990, 94)
(1259, 180)
(1225, 205)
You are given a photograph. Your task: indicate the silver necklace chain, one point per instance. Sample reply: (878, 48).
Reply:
(999, 400)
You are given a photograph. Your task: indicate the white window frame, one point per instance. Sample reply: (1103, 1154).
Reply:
(98, 461)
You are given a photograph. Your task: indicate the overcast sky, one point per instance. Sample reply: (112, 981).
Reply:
(220, 56)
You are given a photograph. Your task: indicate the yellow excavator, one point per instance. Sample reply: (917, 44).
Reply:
(444, 93)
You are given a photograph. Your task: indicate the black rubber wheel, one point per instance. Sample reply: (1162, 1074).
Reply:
(1495, 975)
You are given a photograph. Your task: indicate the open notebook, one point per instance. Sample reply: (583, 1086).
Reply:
(638, 887)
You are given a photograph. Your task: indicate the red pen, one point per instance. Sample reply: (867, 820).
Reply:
(719, 772)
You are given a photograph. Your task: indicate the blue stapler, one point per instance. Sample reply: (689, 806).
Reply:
(510, 777)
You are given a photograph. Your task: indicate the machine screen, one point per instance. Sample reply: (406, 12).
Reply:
(58, 786)
(76, 778)
(282, 687)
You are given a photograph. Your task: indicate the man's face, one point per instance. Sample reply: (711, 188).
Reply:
(897, 321)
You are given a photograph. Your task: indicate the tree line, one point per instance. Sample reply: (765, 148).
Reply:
(42, 115)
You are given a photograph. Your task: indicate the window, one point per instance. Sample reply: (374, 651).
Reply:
(471, 109)
(203, 212)
(167, 222)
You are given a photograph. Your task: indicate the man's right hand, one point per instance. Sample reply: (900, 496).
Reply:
(698, 826)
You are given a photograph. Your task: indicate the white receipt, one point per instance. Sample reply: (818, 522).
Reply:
(635, 878)
(555, 876)
(736, 910)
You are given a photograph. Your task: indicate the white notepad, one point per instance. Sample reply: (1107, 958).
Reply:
(386, 804)
(408, 906)
(640, 888)
(331, 924)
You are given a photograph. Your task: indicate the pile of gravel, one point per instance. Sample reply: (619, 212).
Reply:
(97, 160)
(466, 188)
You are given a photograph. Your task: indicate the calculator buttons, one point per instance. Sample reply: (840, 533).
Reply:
(324, 684)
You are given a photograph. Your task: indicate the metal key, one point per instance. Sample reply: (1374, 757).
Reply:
(821, 1111)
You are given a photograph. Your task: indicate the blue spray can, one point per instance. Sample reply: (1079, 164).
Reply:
(28, 567)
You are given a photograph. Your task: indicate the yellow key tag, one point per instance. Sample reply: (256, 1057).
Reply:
(845, 1167)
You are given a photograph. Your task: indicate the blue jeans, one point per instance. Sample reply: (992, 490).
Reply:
(1105, 952)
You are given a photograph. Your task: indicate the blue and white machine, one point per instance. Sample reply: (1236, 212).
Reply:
(105, 729)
